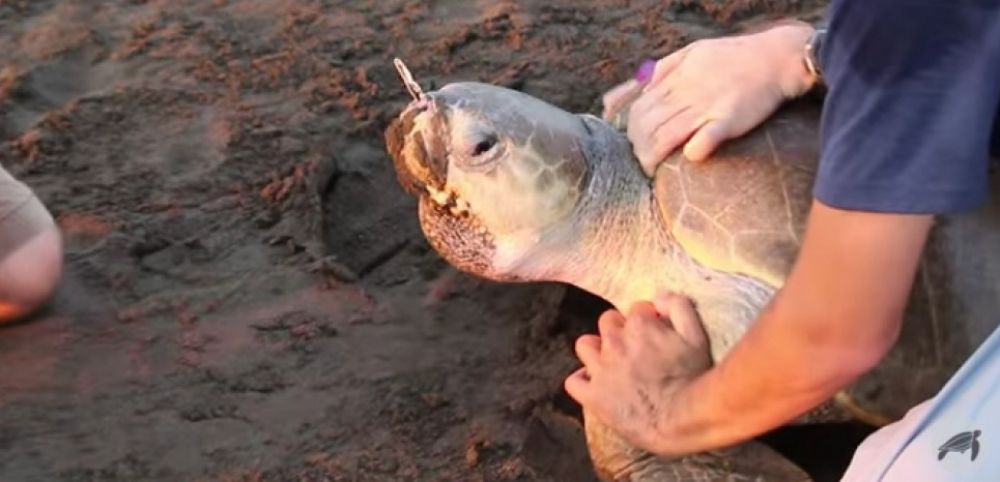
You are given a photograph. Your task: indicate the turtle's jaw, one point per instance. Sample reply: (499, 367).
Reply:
(462, 240)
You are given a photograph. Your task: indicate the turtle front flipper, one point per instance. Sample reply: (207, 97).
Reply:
(615, 460)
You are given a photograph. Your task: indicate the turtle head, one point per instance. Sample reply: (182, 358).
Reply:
(494, 170)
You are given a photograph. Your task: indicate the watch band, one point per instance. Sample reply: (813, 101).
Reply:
(812, 50)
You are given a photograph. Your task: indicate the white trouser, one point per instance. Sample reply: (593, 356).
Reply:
(936, 440)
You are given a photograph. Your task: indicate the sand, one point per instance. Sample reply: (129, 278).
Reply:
(248, 296)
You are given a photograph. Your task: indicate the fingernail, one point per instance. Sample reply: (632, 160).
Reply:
(645, 71)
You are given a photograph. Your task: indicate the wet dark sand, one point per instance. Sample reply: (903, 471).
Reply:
(248, 296)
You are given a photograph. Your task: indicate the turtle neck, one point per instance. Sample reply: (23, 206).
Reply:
(617, 246)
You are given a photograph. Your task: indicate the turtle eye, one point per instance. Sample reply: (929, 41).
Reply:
(484, 145)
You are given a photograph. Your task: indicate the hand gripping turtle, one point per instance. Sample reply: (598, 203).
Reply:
(514, 189)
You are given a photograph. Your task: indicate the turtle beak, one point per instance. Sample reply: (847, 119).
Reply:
(417, 142)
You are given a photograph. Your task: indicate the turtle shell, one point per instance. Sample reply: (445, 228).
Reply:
(744, 211)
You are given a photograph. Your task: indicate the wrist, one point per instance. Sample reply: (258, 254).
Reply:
(681, 429)
(790, 42)
(713, 411)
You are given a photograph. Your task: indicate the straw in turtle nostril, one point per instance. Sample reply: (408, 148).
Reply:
(425, 104)
(411, 85)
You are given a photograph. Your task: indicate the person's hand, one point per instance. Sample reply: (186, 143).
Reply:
(633, 369)
(711, 91)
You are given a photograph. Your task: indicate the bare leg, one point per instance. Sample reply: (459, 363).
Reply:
(29, 274)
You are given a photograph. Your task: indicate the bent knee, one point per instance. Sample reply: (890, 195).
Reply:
(29, 275)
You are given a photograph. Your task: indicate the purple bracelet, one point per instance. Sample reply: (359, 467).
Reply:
(645, 71)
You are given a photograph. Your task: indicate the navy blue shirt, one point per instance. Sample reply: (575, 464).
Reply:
(911, 112)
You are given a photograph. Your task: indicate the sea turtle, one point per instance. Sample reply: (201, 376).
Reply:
(960, 443)
(512, 188)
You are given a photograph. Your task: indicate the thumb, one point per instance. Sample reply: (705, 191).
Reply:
(683, 317)
(616, 98)
(578, 387)
(706, 139)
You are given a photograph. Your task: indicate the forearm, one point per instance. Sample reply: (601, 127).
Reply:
(838, 314)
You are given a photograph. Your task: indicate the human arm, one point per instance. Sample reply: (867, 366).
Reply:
(836, 317)
(30, 274)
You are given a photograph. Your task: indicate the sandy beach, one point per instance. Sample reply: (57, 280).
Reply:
(248, 296)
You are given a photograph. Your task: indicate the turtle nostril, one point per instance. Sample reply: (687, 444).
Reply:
(424, 104)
